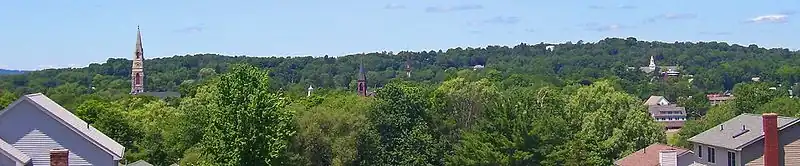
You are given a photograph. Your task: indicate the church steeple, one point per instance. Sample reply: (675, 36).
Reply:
(652, 62)
(362, 80)
(408, 66)
(137, 69)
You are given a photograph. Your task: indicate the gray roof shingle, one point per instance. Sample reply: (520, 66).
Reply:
(140, 163)
(723, 134)
(13, 153)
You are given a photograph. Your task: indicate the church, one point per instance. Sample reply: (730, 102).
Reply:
(137, 72)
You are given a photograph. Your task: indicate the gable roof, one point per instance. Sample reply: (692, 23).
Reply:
(140, 163)
(13, 153)
(664, 110)
(653, 100)
(72, 122)
(730, 135)
(648, 156)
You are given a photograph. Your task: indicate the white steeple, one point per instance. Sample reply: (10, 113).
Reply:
(652, 62)
(309, 90)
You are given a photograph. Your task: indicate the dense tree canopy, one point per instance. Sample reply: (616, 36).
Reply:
(580, 104)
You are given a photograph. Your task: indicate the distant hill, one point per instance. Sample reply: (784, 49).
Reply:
(9, 72)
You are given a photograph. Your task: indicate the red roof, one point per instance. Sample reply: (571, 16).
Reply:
(647, 156)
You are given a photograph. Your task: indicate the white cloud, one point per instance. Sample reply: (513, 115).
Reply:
(773, 18)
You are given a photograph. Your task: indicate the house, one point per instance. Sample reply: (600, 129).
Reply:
(749, 139)
(715, 99)
(657, 155)
(35, 130)
(550, 47)
(666, 113)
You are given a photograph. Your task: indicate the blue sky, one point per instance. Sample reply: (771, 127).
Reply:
(57, 33)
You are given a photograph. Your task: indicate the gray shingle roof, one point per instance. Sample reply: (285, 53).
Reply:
(724, 136)
(13, 153)
(140, 163)
(74, 123)
(653, 100)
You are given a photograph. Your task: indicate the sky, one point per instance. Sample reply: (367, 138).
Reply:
(56, 33)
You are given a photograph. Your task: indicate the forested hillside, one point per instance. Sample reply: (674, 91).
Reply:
(579, 104)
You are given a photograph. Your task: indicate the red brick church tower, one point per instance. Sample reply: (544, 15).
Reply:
(137, 72)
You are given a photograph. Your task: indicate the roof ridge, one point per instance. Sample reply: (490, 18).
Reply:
(90, 133)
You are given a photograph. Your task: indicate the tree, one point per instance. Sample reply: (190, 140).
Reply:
(750, 96)
(249, 127)
(6, 98)
(784, 106)
(397, 133)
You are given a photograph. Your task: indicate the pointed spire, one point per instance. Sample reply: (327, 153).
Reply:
(139, 50)
(652, 61)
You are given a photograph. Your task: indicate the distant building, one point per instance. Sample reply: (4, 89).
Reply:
(550, 48)
(137, 71)
(756, 79)
(361, 86)
(718, 98)
(666, 113)
(478, 67)
(664, 71)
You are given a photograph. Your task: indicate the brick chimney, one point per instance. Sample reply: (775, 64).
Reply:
(668, 157)
(771, 149)
(59, 157)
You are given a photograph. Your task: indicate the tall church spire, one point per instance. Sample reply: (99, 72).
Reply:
(137, 70)
(362, 79)
(408, 66)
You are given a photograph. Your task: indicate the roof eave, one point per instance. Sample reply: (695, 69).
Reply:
(748, 143)
(73, 129)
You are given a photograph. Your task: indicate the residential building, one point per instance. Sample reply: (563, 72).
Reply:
(657, 155)
(750, 139)
(718, 98)
(666, 113)
(34, 126)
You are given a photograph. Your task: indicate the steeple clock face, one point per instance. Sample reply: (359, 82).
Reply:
(137, 64)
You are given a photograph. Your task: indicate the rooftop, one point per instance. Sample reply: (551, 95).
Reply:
(738, 132)
(648, 156)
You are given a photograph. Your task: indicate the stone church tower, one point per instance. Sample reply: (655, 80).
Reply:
(137, 72)
(362, 81)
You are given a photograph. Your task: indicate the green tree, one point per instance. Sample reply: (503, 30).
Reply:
(6, 98)
(397, 133)
(249, 127)
(750, 96)
(784, 106)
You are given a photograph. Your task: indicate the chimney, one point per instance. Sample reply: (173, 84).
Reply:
(771, 149)
(59, 157)
(668, 157)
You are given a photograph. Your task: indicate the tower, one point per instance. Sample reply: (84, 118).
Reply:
(137, 70)
(652, 62)
(408, 67)
(309, 90)
(362, 81)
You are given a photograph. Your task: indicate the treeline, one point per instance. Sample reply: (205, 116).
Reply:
(715, 66)
(577, 105)
(234, 119)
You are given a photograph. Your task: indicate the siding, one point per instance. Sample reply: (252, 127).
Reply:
(26, 125)
(37, 145)
(789, 139)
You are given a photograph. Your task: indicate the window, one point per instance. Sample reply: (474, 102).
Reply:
(710, 158)
(699, 151)
(731, 158)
